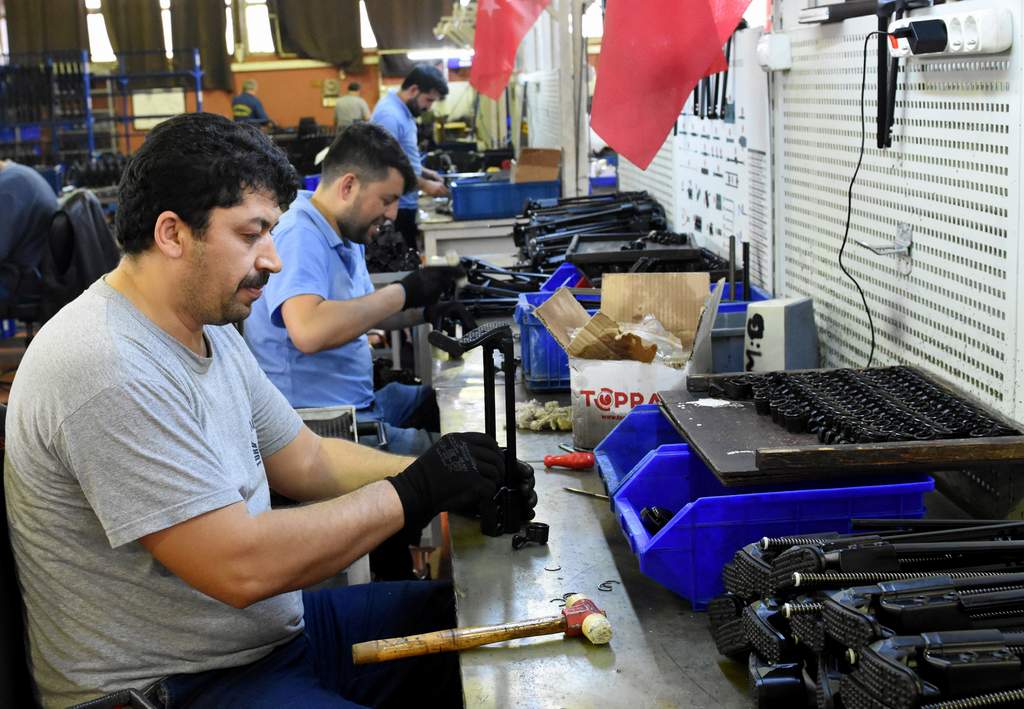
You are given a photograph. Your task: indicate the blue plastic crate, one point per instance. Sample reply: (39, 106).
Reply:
(644, 429)
(712, 521)
(8, 328)
(544, 363)
(480, 198)
(310, 182)
(565, 275)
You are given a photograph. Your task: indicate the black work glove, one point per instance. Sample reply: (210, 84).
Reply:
(459, 472)
(425, 286)
(525, 481)
(449, 310)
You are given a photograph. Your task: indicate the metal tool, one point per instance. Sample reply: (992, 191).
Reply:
(506, 512)
(581, 616)
(578, 491)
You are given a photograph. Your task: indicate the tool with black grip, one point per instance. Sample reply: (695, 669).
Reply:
(507, 511)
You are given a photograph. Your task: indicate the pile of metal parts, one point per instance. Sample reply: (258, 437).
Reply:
(387, 252)
(632, 252)
(103, 171)
(862, 406)
(494, 291)
(918, 614)
(547, 226)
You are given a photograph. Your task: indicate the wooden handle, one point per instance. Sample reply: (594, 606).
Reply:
(455, 639)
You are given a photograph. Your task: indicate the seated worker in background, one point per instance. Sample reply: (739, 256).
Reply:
(309, 332)
(350, 108)
(396, 112)
(142, 445)
(27, 206)
(246, 108)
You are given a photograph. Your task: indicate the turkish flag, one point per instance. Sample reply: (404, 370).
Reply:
(652, 55)
(500, 28)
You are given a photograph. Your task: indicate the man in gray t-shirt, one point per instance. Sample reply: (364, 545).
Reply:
(142, 444)
(350, 108)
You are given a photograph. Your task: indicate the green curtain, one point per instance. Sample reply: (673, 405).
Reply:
(404, 24)
(327, 30)
(201, 23)
(135, 27)
(46, 25)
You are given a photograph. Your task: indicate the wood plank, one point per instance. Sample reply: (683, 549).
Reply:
(934, 455)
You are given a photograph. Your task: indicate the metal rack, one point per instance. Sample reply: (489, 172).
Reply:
(47, 111)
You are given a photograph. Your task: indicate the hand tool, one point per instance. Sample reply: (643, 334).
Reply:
(573, 461)
(586, 492)
(581, 616)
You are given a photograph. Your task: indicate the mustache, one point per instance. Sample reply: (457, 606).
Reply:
(257, 280)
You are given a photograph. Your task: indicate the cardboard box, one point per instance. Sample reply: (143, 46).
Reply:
(609, 374)
(537, 165)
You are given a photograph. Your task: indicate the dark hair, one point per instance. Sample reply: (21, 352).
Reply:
(191, 164)
(354, 86)
(367, 151)
(428, 78)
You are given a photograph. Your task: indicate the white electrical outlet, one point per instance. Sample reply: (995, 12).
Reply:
(988, 31)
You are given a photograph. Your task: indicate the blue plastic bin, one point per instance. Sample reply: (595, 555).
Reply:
(565, 275)
(644, 429)
(310, 182)
(544, 363)
(712, 521)
(480, 198)
(8, 328)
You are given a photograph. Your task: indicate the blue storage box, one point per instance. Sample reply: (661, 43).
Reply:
(310, 182)
(8, 328)
(565, 275)
(644, 429)
(712, 521)
(545, 364)
(481, 198)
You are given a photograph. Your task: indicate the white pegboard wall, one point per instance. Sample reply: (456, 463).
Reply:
(543, 113)
(952, 174)
(659, 180)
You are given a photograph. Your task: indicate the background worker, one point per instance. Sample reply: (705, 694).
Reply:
(246, 107)
(350, 108)
(396, 112)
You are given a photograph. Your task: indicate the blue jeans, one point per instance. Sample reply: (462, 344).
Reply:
(315, 669)
(393, 404)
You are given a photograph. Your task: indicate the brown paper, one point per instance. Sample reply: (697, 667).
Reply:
(561, 314)
(537, 165)
(675, 299)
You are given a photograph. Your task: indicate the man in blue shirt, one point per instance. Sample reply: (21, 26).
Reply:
(246, 108)
(397, 113)
(309, 331)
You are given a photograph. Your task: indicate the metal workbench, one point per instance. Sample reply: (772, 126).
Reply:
(661, 654)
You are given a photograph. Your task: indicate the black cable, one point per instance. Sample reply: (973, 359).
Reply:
(849, 195)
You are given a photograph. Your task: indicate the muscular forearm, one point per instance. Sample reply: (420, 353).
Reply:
(406, 318)
(332, 323)
(335, 468)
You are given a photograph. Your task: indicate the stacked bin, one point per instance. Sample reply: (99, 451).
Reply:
(712, 521)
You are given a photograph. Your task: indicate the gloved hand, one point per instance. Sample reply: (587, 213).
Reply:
(458, 472)
(425, 286)
(437, 313)
(526, 482)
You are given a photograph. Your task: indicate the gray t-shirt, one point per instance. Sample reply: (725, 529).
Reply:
(116, 430)
(349, 109)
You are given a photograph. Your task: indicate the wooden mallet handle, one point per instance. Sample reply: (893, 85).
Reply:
(455, 639)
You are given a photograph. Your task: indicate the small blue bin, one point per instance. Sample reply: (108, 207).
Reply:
(712, 521)
(480, 198)
(644, 429)
(8, 328)
(565, 275)
(310, 182)
(544, 363)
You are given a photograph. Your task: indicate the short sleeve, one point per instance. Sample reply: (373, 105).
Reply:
(304, 268)
(276, 422)
(143, 461)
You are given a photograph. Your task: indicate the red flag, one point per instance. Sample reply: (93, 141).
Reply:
(500, 28)
(652, 55)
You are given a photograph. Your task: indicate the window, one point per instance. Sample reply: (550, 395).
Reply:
(165, 21)
(99, 41)
(369, 41)
(229, 28)
(5, 46)
(259, 36)
(593, 21)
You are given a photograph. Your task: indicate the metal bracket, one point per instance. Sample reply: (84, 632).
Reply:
(899, 247)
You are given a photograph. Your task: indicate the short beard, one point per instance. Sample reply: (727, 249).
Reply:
(414, 108)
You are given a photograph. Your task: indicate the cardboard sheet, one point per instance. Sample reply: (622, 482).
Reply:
(675, 299)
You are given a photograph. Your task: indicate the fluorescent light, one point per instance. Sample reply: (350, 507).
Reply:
(422, 55)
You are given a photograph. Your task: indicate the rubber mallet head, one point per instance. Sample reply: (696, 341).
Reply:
(583, 617)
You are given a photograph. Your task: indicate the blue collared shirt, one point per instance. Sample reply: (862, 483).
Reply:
(315, 261)
(394, 116)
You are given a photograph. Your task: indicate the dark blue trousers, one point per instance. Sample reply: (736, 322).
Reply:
(315, 669)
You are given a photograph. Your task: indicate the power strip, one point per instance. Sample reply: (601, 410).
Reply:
(988, 31)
